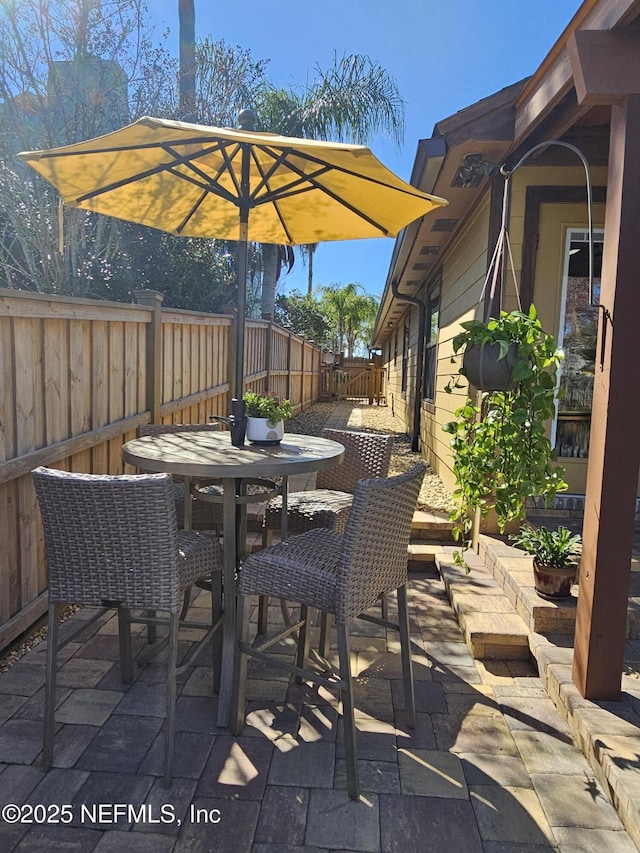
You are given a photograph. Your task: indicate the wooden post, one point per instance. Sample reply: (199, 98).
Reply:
(153, 299)
(289, 367)
(614, 452)
(302, 379)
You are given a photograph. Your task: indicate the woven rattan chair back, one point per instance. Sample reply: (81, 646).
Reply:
(110, 538)
(203, 517)
(113, 541)
(366, 454)
(374, 553)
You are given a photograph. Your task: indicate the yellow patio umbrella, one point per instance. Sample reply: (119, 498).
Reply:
(197, 181)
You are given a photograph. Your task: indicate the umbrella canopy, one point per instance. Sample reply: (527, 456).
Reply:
(198, 181)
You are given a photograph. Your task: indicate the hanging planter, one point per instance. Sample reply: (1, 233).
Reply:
(488, 367)
(501, 451)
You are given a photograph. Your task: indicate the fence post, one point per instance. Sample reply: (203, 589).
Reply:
(302, 378)
(289, 366)
(153, 299)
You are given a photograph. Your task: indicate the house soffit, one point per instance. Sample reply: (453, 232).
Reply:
(479, 134)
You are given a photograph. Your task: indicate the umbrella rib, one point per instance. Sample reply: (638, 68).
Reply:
(163, 167)
(182, 225)
(327, 191)
(206, 185)
(265, 178)
(310, 158)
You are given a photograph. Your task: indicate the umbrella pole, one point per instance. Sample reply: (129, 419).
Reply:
(238, 385)
(238, 418)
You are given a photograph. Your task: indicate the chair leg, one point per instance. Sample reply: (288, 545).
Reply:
(124, 636)
(302, 652)
(267, 537)
(186, 601)
(239, 679)
(174, 624)
(348, 719)
(263, 614)
(50, 689)
(405, 651)
(384, 608)
(216, 640)
(152, 631)
(325, 635)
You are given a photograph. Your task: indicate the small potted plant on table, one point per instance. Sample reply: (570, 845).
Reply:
(265, 417)
(555, 558)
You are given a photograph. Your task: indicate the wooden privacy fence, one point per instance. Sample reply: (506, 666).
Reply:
(354, 379)
(78, 376)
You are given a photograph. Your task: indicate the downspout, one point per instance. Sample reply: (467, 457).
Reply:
(402, 297)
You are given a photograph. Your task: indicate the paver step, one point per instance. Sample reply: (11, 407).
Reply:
(431, 526)
(512, 569)
(422, 555)
(492, 628)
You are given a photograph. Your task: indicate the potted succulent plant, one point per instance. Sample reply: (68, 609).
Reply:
(501, 451)
(265, 417)
(555, 558)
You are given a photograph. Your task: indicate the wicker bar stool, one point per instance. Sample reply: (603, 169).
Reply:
(113, 542)
(203, 516)
(339, 574)
(366, 455)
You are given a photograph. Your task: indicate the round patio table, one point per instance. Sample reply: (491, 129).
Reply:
(210, 455)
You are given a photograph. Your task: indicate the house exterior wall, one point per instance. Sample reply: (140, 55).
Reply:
(402, 402)
(463, 274)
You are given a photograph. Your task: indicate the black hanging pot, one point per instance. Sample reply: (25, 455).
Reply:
(484, 368)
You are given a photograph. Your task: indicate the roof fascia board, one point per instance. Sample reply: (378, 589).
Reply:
(553, 79)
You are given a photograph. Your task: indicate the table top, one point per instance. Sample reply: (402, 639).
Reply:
(211, 454)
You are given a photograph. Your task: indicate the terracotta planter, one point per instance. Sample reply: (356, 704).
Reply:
(552, 582)
(263, 431)
(485, 370)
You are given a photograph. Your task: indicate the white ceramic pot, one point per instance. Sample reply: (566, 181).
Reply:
(263, 431)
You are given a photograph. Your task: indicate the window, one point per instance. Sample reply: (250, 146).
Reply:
(405, 359)
(395, 349)
(432, 323)
(577, 337)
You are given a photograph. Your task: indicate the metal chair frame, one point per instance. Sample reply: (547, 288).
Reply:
(341, 574)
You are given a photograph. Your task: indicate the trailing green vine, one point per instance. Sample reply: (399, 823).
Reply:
(501, 452)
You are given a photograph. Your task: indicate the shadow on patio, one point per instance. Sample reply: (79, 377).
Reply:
(490, 766)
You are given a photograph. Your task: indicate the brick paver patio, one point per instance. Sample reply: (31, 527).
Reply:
(490, 767)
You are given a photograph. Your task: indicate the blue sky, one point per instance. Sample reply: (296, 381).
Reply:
(443, 54)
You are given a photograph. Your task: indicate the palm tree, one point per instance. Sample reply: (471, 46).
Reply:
(361, 312)
(353, 312)
(187, 87)
(349, 102)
